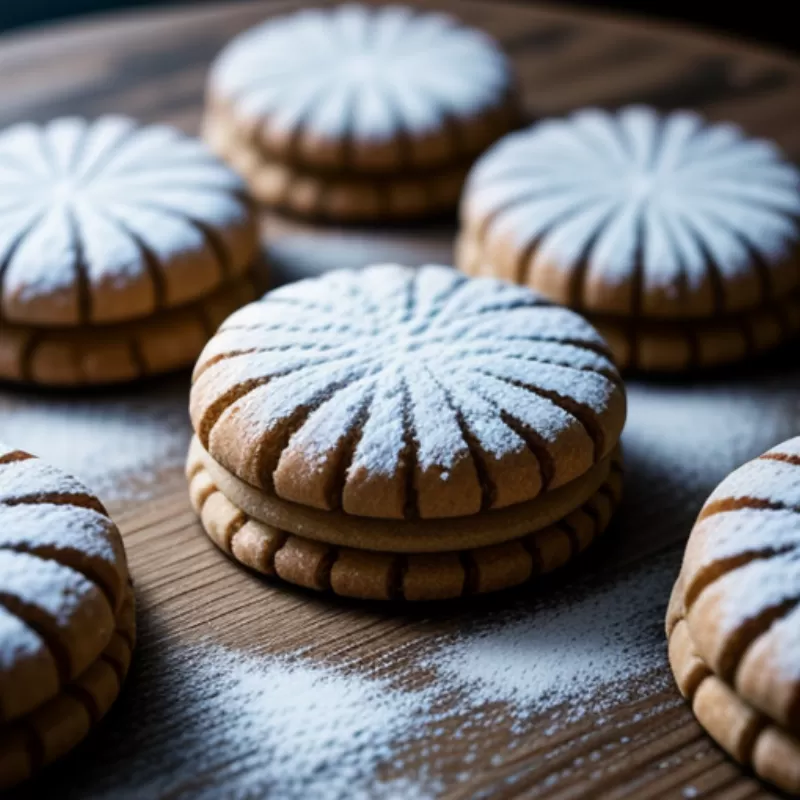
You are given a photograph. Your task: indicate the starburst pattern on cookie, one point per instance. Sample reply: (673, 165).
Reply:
(637, 213)
(741, 582)
(108, 221)
(373, 88)
(395, 392)
(63, 580)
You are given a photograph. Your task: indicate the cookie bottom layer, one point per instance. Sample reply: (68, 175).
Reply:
(747, 735)
(346, 197)
(56, 727)
(400, 535)
(373, 575)
(674, 346)
(85, 356)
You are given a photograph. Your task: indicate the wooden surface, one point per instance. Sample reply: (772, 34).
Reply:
(682, 438)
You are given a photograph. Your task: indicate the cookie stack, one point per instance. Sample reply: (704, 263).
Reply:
(359, 113)
(121, 249)
(734, 621)
(67, 623)
(399, 433)
(679, 239)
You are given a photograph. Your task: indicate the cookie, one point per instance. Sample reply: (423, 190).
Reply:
(405, 393)
(117, 241)
(401, 410)
(288, 188)
(325, 107)
(392, 574)
(66, 613)
(734, 622)
(106, 221)
(82, 356)
(679, 236)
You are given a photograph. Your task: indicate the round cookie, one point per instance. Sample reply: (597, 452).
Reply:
(678, 236)
(106, 221)
(66, 613)
(343, 197)
(359, 113)
(84, 356)
(734, 619)
(382, 575)
(404, 394)
(365, 89)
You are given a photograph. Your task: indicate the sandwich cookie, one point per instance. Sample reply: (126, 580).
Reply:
(394, 421)
(67, 622)
(113, 235)
(678, 238)
(359, 113)
(734, 621)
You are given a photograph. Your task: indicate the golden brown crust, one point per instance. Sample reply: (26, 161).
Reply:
(63, 581)
(689, 231)
(403, 393)
(367, 574)
(747, 735)
(420, 535)
(164, 342)
(108, 222)
(664, 345)
(734, 621)
(57, 726)
(342, 197)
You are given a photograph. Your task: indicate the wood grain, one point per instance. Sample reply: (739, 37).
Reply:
(680, 441)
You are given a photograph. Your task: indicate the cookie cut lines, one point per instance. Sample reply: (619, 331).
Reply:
(381, 80)
(423, 373)
(106, 221)
(665, 215)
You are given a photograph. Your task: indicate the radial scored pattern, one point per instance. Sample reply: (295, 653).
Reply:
(741, 583)
(63, 580)
(391, 85)
(398, 392)
(634, 212)
(107, 221)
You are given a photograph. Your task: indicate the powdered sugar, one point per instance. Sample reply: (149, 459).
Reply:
(458, 363)
(107, 202)
(596, 647)
(636, 193)
(118, 446)
(268, 725)
(771, 480)
(370, 74)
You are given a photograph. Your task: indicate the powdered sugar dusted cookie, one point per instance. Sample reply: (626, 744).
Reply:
(66, 613)
(107, 221)
(365, 89)
(372, 574)
(637, 218)
(734, 621)
(344, 197)
(401, 393)
(85, 356)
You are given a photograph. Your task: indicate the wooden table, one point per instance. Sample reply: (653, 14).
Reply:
(682, 438)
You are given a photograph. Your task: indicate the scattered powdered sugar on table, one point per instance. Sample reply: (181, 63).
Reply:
(253, 726)
(597, 647)
(118, 446)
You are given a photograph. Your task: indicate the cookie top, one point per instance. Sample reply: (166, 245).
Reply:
(741, 582)
(106, 221)
(638, 213)
(400, 393)
(63, 579)
(366, 88)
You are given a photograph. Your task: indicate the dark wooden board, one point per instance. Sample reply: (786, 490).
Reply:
(682, 438)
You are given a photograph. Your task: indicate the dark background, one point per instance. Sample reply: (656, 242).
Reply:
(765, 20)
